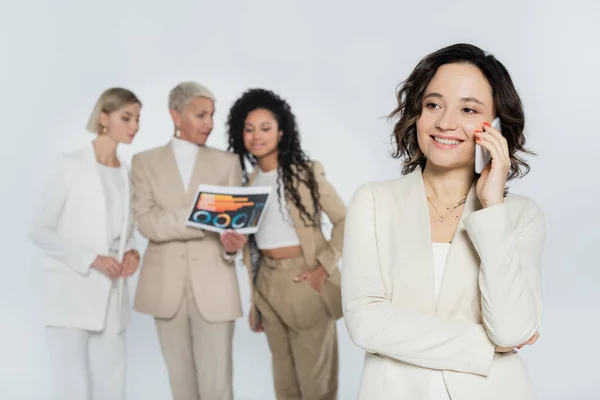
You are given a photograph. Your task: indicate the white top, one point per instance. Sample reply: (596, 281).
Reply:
(276, 228)
(437, 386)
(114, 189)
(185, 156)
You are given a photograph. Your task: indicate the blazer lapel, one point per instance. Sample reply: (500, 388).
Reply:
(203, 167)
(171, 171)
(415, 246)
(304, 233)
(95, 186)
(459, 274)
(127, 223)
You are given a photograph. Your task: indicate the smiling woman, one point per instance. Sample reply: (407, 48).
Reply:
(483, 88)
(444, 227)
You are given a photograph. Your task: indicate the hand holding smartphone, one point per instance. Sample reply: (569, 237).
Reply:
(482, 155)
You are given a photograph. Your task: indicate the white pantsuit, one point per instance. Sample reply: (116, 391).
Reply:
(85, 312)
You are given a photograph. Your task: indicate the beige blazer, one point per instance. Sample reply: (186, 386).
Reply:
(490, 293)
(175, 251)
(316, 249)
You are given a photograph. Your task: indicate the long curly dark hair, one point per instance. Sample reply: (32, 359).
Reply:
(294, 166)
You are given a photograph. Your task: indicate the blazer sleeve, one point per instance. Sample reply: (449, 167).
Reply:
(510, 271)
(153, 222)
(43, 231)
(380, 327)
(131, 242)
(335, 208)
(235, 179)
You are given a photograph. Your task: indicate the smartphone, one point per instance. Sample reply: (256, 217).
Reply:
(482, 155)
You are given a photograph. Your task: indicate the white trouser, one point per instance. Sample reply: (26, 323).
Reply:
(89, 365)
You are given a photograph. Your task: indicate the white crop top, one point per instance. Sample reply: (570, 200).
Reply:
(276, 228)
(437, 385)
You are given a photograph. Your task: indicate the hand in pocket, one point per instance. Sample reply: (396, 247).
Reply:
(315, 277)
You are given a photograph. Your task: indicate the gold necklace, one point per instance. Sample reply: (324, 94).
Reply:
(449, 210)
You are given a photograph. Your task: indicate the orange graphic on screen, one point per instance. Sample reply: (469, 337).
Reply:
(222, 202)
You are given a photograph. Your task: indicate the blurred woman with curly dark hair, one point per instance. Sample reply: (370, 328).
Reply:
(293, 267)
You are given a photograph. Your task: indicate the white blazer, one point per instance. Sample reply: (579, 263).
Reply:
(490, 293)
(71, 226)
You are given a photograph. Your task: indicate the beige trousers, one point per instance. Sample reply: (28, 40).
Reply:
(198, 353)
(301, 334)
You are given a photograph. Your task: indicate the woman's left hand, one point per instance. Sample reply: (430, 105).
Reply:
(531, 341)
(315, 277)
(492, 182)
(131, 261)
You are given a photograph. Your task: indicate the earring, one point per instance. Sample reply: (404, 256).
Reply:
(177, 133)
(104, 129)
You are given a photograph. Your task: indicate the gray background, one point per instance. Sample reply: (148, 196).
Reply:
(338, 63)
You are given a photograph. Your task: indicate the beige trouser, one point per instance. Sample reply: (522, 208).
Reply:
(301, 334)
(198, 353)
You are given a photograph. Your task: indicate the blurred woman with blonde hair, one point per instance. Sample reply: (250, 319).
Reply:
(83, 225)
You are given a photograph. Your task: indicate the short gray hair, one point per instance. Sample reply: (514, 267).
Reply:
(181, 95)
(110, 100)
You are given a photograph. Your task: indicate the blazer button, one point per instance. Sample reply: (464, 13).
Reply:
(182, 256)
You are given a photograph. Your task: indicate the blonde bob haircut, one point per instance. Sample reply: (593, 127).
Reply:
(111, 100)
(180, 95)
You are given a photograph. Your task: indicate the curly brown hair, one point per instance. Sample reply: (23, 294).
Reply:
(506, 100)
(295, 167)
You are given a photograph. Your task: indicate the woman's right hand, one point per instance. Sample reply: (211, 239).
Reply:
(259, 328)
(531, 341)
(108, 266)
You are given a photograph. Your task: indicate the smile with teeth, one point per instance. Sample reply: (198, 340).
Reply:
(449, 142)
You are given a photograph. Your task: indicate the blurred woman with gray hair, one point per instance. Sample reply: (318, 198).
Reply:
(188, 281)
(84, 226)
